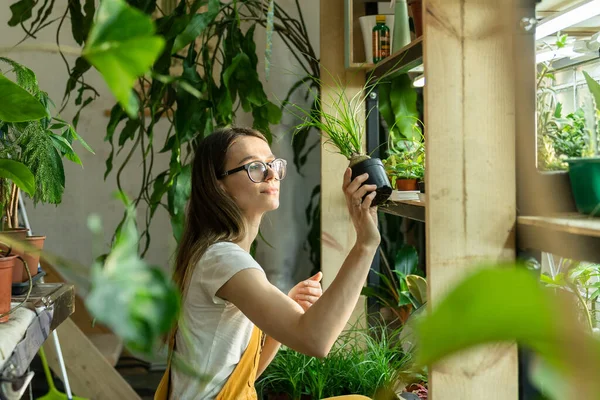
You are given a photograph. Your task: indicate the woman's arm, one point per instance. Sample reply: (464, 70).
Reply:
(314, 332)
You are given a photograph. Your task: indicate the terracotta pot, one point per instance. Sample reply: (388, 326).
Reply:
(416, 11)
(6, 271)
(31, 257)
(406, 184)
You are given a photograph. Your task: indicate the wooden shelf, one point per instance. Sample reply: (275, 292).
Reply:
(405, 59)
(412, 209)
(570, 235)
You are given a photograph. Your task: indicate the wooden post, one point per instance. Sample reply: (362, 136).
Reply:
(337, 232)
(470, 174)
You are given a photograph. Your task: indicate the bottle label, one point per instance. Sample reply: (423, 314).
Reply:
(381, 45)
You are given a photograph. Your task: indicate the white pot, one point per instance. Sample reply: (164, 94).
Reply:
(367, 23)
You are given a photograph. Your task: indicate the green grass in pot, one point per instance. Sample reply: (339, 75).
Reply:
(341, 120)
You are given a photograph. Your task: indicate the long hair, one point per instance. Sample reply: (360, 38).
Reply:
(212, 215)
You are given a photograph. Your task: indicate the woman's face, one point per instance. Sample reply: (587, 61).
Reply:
(254, 199)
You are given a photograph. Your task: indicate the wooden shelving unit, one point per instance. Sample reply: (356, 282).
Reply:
(570, 235)
(412, 209)
(402, 61)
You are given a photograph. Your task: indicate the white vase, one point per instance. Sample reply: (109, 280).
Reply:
(367, 23)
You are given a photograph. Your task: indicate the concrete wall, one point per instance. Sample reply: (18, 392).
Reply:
(87, 192)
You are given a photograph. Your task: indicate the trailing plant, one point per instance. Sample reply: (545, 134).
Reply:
(39, 145)
(206, 70)
(363, 361)
(406, 159)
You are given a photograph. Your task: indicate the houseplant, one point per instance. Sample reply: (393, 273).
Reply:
(343, 128)
(584, 173)
(406, 163)
(40, 146)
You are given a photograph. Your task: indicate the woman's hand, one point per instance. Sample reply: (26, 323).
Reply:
(307, 292)
(364, 217)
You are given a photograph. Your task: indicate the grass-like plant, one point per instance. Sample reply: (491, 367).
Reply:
(363, 361)
(340, 118)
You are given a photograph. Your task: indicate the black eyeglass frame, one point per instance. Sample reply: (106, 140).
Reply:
(247, 168)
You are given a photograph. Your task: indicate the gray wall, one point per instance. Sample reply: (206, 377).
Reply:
(87, 192)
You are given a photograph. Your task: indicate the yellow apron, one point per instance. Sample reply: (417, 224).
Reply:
(239, 386)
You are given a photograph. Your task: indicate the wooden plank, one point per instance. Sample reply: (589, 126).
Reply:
(470, 174)
(337, 232)
(90, 374)
(405, 59)
(577, 224)
(412, 209)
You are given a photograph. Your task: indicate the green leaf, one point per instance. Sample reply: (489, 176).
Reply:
(407, 260)
(479, 311)
(403, 100)
(594, 88)
(417, 286)
(122, 46)
(196, 26)
(17, 105)
(147, 304)
(21, 12)
(19, 174)
(180, 193)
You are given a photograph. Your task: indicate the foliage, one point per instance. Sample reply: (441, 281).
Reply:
(362, 362)
(38, 144)
(478, 311)
(207, 72)
(398, 107)
(136, 300)
(402, 289)
(340, 119)
(406, 159)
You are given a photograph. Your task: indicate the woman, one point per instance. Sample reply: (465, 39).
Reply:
(227, 299)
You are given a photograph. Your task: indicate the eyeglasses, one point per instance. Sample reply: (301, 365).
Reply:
(258, 171)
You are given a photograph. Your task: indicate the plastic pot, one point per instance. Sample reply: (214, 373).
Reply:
(406, 184)
(6, 270)
(584, 174)
(421, 186)
(377, 176)
(31, 257)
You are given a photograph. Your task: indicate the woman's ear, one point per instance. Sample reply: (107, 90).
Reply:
(222, 186)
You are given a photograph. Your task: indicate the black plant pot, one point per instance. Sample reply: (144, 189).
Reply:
(421, 186)
(377, 176)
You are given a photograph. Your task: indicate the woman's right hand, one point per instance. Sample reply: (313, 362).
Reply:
(364, 217)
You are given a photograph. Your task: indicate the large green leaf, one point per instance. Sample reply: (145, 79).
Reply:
(146, 303)
(403, 99)
(122, 46)
(198, 23)
(21, 11)
(178, 197)
(594, 88)
(407, 260)
(17, 105)
(19, 174)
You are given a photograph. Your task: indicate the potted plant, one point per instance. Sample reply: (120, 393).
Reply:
(343, 127)
(38, 146)
(584, 172)
(406, 164)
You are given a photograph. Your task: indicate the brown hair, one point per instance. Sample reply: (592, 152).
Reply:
(212, 215)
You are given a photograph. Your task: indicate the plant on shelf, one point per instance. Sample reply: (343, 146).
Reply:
(366, 362)
(402, 289)
(340, 119)
(405, 164)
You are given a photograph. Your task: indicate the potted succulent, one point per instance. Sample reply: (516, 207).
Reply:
(343, 127)
(406, 164)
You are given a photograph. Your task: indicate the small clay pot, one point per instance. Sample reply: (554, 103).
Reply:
(7, 265)
(406, 184)
(416, 11)
(377, 176)
(32, 258)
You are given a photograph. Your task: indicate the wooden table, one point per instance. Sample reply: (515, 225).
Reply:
(52, 304)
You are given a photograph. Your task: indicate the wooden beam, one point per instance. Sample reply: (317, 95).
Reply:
(337, 232)
(90, 374)
(470, 174)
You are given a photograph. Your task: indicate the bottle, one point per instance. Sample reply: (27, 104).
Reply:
(401, 26)
(381, 39)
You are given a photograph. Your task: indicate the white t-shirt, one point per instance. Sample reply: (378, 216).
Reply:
(216, 332)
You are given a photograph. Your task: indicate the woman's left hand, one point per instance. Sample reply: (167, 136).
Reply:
(307, 292)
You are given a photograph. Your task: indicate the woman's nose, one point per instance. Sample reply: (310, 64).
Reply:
(271, 174)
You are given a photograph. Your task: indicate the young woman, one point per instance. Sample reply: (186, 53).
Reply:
(227, 300)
